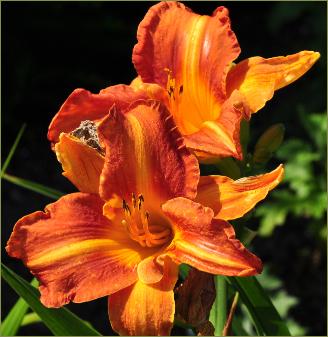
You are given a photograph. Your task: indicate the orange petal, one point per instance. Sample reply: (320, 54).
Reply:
(153, 91)
(143, 309)
(257, 78)
(82, 105)
(189, 55)
(150, 271)
(81, 163)
(231, 199)
(75, 252)
(220, 138)
(205, 243)
(145, 154)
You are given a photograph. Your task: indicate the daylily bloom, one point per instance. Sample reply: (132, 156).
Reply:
(191, 56)
(152, 212)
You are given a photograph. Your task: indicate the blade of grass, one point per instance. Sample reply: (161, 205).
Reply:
(30, 185)
(265, 317)
(61, 322)
(12, 150)
(13, 320)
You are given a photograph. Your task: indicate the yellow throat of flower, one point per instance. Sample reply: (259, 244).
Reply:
(140, 227)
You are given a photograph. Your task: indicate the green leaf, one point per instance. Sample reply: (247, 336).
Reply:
(30, 185)
(218, 314)
(12, 150)
(12, 322)
(237, 326)
(61, 322)
(265, 317)
(31, 318)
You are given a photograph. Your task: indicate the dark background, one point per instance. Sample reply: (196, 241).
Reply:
(51, 48)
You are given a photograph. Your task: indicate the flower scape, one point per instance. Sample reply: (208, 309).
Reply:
(133, 152)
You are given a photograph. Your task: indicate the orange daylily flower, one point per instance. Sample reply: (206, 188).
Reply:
(150, 214)
(191, 56)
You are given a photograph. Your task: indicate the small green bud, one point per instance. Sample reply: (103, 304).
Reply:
(268, 143)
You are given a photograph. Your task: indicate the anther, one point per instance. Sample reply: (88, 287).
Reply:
(134, 201)
(126, 207)
(140, 201)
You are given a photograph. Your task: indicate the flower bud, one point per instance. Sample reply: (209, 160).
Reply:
(268, 143)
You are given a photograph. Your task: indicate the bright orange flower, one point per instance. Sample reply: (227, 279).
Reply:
(191, 56)
(128, 240)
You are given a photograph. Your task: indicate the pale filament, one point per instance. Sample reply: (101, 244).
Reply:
(139, 227)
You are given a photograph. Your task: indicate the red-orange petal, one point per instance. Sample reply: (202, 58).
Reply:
(189, 55)
(205, 243)
(75, 252)
(145, 309)
(82, 105)
(257, 78)
(82, 164)
(220, 138)
(231, 199)
(146, 154)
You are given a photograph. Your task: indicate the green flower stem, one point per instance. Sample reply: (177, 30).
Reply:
(221, 304)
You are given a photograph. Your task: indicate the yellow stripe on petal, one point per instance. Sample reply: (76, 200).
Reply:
(145, 309)
(231, 199)
(142, 163)
(189, 55)
(215, 258)
(81, 163)
(76, 249)
(257, 78)
(220, 133)
(205, 243)
(145, 154)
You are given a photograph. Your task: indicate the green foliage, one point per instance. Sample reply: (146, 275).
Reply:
(14, 319)
(265, 317)
(12, 150)
(61, 322)
(218, 314)
(303, 191)
(282, 301)
(35, 187)
(268, 143)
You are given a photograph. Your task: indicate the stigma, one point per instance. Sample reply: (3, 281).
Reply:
(140, 227)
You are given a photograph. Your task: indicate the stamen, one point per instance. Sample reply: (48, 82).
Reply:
(137, 224)
(140, 201)
(134, 201)
(126, 208)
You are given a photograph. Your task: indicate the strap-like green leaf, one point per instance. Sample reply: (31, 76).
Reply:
(218, 314)
(13, 320)
(265, 317)
(12, 150)
(30, 185)
(61, 322)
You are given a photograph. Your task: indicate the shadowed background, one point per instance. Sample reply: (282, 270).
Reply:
(51, 48)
